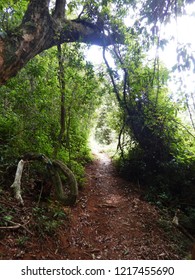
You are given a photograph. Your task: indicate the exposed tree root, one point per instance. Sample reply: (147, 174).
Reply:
(53, 168)
(17, 181)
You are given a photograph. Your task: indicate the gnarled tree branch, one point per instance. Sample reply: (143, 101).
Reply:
(40, 31)
(52, 167)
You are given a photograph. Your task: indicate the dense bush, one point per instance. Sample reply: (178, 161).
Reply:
(156, 148)
(31, 105)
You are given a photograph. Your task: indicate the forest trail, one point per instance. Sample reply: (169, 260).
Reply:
(110, 221)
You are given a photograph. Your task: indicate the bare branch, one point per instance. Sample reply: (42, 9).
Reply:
(16, 226)
(17, 182)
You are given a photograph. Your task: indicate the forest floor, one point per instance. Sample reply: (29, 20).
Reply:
(111, 220)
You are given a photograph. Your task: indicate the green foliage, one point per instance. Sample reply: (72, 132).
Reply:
(156, 148)
(30, 109)
(6, 215)
(106, 118)
(163, 10)
(11, 13)
(21, 241)
(103, 130)
(48, 220)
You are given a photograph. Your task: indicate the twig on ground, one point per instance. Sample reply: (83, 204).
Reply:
(16, 226)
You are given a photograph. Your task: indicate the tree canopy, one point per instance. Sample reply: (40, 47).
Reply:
(30, 27)
(41, 25)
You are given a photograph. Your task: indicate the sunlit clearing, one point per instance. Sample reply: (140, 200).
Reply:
(98, 148)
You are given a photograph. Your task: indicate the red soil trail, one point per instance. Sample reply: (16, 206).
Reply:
(110, 221)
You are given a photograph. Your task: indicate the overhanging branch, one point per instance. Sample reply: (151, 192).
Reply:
(83, 32)
(40, 31)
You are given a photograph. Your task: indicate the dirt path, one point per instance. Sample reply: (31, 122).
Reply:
(110, 221)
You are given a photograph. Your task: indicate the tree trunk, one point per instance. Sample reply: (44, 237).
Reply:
(40, 31)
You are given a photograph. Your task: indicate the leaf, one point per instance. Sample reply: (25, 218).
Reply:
(8, 218)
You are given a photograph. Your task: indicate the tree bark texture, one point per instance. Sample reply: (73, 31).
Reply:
(39, 31)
